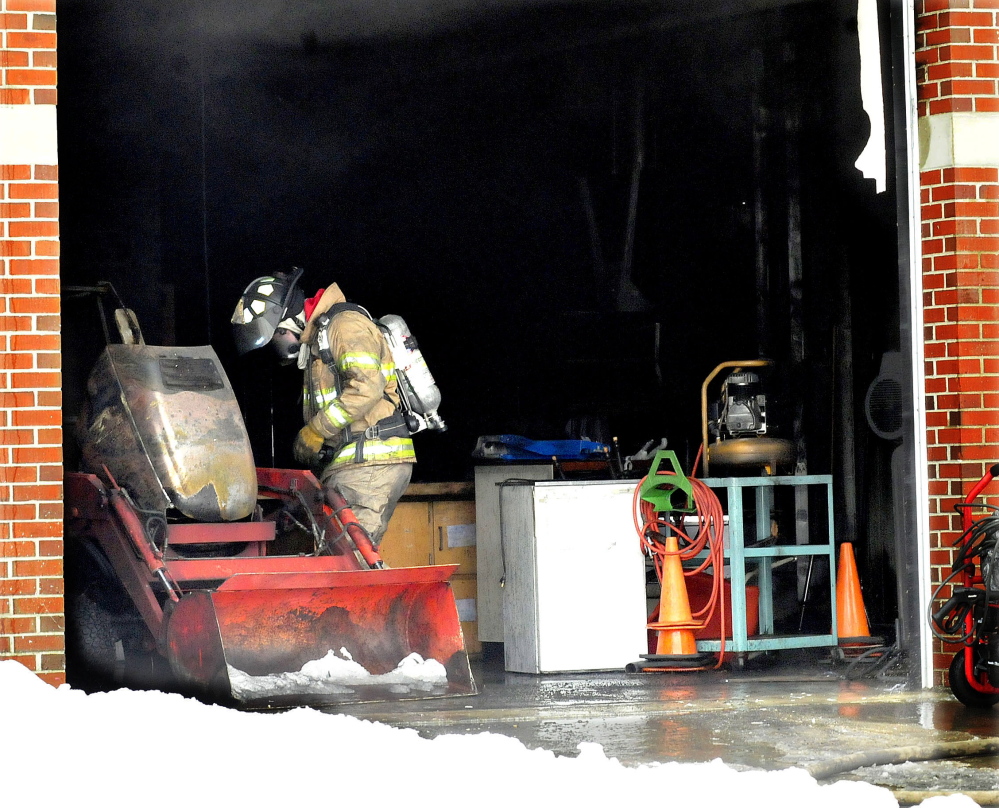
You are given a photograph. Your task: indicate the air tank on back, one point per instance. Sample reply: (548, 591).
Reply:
(416, 382)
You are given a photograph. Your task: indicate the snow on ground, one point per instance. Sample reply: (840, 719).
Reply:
(60, 746)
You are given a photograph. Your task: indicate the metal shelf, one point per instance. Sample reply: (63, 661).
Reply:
(739, 556)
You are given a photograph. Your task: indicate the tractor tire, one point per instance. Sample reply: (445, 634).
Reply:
(965, 691)
(93, 640)
(105, 635)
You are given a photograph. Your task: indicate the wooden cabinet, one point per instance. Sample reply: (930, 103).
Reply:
(407, 540)
(465, 598)
(431, 532)
(434, 524)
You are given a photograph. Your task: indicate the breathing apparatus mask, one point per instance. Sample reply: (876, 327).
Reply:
(271, 310)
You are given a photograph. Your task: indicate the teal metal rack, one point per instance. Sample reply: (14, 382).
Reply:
(747, 545)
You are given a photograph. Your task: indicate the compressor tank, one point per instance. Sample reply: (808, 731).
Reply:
(165, 423)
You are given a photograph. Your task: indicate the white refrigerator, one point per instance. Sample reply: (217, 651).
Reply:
(573, 576)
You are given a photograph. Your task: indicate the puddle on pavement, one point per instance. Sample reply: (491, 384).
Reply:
(633, 740)
(786, 718)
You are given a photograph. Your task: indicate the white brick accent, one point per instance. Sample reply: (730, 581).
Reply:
(28, 134)
(959, 139)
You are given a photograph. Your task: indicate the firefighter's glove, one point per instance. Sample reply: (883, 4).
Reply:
(308, 445)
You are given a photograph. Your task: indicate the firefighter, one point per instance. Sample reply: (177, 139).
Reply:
(354, 438)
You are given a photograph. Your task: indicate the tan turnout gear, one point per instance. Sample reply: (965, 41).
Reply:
(348, 406)
(373, 492)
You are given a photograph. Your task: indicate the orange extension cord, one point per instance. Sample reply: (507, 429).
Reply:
(652, 526)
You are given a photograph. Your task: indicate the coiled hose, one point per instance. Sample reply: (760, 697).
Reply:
(653, 526)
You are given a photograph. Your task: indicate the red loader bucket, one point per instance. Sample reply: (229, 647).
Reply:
(283, 639)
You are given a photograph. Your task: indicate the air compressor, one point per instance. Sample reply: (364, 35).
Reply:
(737, 423)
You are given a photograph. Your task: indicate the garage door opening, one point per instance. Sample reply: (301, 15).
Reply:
(581, 209)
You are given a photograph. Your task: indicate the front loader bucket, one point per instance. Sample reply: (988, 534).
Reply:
(283, 639)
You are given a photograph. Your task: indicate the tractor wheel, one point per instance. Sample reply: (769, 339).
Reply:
(965, 691)
(93, 640)
(105, 635)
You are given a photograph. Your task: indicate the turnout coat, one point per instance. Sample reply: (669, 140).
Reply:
(358, 395)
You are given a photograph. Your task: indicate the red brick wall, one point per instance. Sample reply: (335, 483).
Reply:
(958, 72)
(31, 606)
(956, 52)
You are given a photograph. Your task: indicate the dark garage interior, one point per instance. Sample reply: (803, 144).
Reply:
(581, 209)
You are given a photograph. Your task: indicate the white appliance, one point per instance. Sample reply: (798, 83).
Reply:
(574, 576)
(489, 553)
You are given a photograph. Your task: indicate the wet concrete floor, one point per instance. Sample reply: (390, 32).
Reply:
(769, 714)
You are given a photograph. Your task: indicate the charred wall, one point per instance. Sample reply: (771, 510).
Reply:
(581, 209)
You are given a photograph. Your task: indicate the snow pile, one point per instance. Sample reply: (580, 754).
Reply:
(339, 675)
(58, 745)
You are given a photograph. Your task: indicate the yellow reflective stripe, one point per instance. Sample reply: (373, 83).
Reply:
(327, 402)
(391, 449)
(365, 360)
(337, 414)
(324, 396)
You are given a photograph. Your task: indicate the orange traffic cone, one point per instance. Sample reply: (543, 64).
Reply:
(676, 647)
(851, 616)
(675, 626)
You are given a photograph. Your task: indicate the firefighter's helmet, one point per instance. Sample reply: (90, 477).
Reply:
(267, 302)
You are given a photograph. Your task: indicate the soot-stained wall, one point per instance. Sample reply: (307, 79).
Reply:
(580, 208)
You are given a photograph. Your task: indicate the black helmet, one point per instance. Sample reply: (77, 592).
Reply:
(265, 303)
